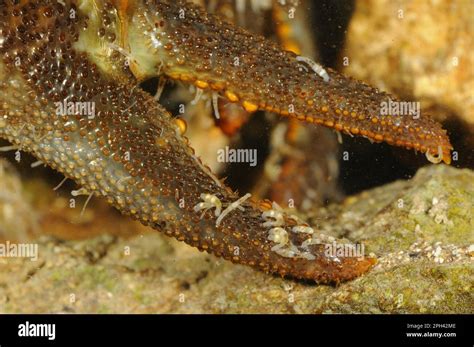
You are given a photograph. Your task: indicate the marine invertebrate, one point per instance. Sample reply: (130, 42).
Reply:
(133, 153)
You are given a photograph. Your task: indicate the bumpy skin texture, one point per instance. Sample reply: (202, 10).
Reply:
(201, 49)
(131, 152)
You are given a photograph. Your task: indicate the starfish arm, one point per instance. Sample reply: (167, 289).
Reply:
(190, 45)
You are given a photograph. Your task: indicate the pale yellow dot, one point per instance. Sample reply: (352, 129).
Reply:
(181, 124)
(202, 84)
(231, 96)
(249, 107)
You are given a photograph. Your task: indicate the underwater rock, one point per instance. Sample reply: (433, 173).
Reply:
(420, 50)
(18, 218)
(421, 230)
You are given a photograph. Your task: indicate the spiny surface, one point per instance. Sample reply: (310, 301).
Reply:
(199, 48)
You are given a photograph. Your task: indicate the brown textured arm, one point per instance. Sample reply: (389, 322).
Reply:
(187, 44)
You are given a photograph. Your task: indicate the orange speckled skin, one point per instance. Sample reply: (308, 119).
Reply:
(131, 151)
(201, 48)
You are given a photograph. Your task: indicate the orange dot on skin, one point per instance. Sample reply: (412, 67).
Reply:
(231, 96)
(324, 109)
(182, 125)
(249, 107)
(265, 205)
(202, 84)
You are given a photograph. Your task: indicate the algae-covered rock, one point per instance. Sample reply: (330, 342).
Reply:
(420, 50)
(17, 217)
(421, 230)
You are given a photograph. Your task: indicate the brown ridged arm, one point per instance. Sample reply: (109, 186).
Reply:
(186, 44)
